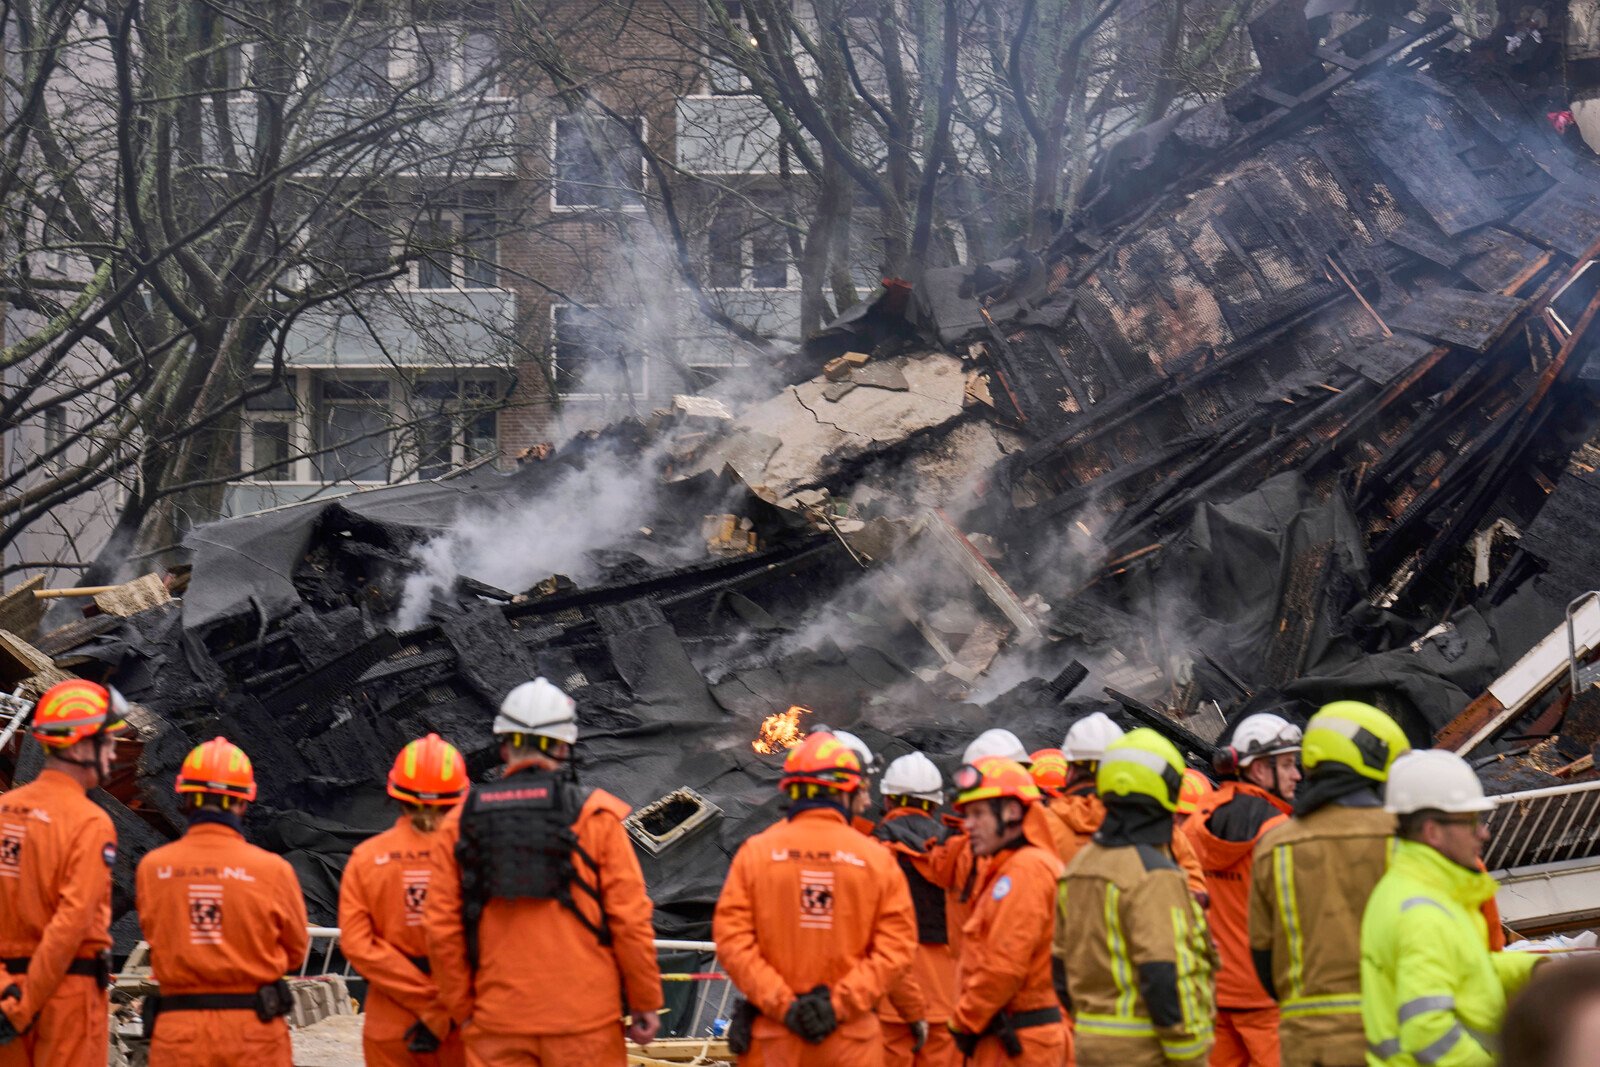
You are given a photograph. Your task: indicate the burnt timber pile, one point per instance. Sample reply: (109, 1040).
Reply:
(1298, 407)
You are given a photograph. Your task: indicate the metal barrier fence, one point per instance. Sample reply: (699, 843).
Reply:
(1544, 826)
(709, 1003)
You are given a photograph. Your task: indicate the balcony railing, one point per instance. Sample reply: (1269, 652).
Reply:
(409, 328)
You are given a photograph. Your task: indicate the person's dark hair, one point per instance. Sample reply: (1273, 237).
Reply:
(1539, 1019)
(1409, 825)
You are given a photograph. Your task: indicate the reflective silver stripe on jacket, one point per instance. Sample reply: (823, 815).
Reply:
(1422, 1005)
(1436, 1051)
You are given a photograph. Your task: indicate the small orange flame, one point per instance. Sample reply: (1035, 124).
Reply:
(780, 731)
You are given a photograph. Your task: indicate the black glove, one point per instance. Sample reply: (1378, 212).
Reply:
(8, 1033)
(966, 1043)
(420, 1039)
(811, 1015)
(740, 1023)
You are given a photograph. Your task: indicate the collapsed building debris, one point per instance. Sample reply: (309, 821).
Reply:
(1299, 407)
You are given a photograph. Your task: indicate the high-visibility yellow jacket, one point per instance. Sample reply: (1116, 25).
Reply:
(1431, 991)
(1138, 960)
(1310, 881)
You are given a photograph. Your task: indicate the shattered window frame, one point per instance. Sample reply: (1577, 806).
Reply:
(589, 192)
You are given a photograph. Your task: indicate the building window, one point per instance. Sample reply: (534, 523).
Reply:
(598, 164)
(455, 424)
(352, 242)
(353, 431)
(358, 62)
(270, 449)
(452, 58)
(269, 423)
(722, 74)
(55, 427)
(593, 354)
(459, 246)
(745, 250)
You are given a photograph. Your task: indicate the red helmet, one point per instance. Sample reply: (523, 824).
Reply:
(1195, 788)
(219, 768)
(822, 759)
(1049, 770)
(429, 771)
(75, 709)
(994, 777)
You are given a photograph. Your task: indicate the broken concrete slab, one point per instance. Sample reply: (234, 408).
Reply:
(881, 375)
(814, 436)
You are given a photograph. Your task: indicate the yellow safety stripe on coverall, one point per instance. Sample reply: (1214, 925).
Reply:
(1195, 1020)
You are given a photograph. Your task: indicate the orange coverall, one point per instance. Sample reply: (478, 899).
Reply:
(927, 991)
(546, 991)
(1247, 1018)
(1005, 953)
(381, 902)
(221, 916)
(811, 902)
(56, 851)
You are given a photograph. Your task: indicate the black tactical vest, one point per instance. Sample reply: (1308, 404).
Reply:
(518, 843)
(928, 899)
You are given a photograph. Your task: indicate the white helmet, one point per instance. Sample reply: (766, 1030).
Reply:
(1264, 734)
(1087, 738)
(996, 742)
(1434, 779)
(913, 775)
(869, 762)
(538, 708)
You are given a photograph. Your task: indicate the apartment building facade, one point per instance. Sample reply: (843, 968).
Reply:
(552, 297)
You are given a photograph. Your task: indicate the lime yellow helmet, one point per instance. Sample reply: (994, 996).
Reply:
(1141, 763)
(1354, 735)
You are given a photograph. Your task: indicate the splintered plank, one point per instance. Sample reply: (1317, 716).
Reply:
(1458, 317)
(20, 611)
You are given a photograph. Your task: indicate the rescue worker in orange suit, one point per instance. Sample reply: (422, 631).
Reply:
(1006, 1008)
(1312, 877)
(1077, 804)
(382, 898)
(56, 851)
(1134, 960)
(538, 923)
(950, 864)
(225, 921)
(1196, 788)
(1263, 763)
(919, 1004)
(814, 922)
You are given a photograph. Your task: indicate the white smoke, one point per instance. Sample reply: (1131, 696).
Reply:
(591, 507)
